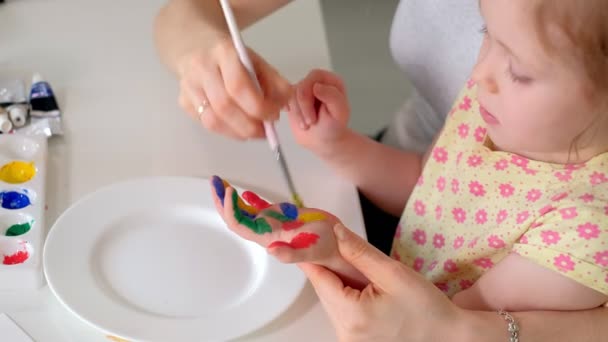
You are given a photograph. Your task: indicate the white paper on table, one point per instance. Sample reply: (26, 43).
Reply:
(10, 331)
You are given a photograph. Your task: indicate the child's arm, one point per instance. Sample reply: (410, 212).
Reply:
(384, 174)
(517, 284)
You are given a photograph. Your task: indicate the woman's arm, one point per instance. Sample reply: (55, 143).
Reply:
(184, 25)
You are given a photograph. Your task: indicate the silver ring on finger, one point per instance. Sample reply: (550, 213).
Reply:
(202, 108)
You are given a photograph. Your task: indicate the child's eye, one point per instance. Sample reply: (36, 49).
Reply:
(483, 29)
(517, 78)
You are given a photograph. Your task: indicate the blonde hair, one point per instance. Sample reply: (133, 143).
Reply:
(584, 25)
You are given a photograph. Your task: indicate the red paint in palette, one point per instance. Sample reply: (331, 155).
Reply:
(16, 258)
(255, 200)
(300, 241)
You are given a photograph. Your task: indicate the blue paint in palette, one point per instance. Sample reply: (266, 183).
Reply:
(14, 200)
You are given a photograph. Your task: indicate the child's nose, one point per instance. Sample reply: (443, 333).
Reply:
(483, 76)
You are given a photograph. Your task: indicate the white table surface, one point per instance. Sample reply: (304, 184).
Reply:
(122, 121)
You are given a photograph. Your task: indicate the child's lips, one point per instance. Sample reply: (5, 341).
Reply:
(487, 116)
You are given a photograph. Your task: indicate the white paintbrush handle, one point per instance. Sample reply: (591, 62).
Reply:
(241, 50)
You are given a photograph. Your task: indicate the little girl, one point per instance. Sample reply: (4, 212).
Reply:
(509, 207)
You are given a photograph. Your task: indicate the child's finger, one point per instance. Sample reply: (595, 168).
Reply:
(235, 215)
(332, 99)
(306, 100)
(255, 201)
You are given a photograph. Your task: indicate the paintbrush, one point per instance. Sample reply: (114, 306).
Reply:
(269, 129)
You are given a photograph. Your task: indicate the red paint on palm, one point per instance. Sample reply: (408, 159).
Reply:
(255, 201)
(291, 225)
(300, 241)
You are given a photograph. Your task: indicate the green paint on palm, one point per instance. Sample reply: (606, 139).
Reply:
(19, 229)
(258, 226)
(278, 216)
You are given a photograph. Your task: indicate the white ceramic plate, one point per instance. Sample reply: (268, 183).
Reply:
(151, 260)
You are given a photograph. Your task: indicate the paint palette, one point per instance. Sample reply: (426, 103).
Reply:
(22, 193)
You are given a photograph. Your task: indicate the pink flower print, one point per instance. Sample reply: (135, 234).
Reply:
(474, 161)
(587, 198)
(455, 186)
(419, 236)
(530, 171)
(523, 240)
(546, 209)
(443, 287)
(419, 208)
(450, 266)
(471, 83)
(459, 215)
(473, 243)
(501, 165)
(458, 158)
(440, 154)
(432, 265)
(480, 134)
(398, 232)
(601, 258)
(395, 255)
(564, 176)
(520, 161)
(418, 264)
(438, 241)
(588, 231)
(506, 190)
(550, 237)
(495, 242)
(598, 178)
(465, 104)
(420, 180)
(534, 195)
(568, 213)
(477, 189)
(481, 216)
(522, 217)
(574, 167)
(438, 212)
(563, 263)
(559, 197)
(463, 130)
(465, 284)
(458, 242)
(484, 263)
(441, 184)
(502, 215)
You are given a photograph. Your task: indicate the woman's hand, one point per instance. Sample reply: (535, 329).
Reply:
(398, 305)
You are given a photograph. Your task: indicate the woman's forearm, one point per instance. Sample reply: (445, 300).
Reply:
(184, 25)
(553, 326)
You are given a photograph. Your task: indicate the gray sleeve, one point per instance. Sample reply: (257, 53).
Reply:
(414, 125)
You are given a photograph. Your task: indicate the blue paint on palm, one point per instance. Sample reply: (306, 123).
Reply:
(289, 210)
(220, 190)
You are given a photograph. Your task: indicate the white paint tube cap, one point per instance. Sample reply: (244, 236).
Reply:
(5, 124)
(18, 115)
(37, 78)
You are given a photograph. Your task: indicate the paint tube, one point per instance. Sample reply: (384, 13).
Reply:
(5, 123)
(11, 92)
(45, 116)
(18, 114)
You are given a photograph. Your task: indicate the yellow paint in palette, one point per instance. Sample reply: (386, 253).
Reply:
(17, 172)
(116, 339)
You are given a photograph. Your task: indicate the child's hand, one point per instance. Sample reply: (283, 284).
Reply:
(319, 111)
(289, 233)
